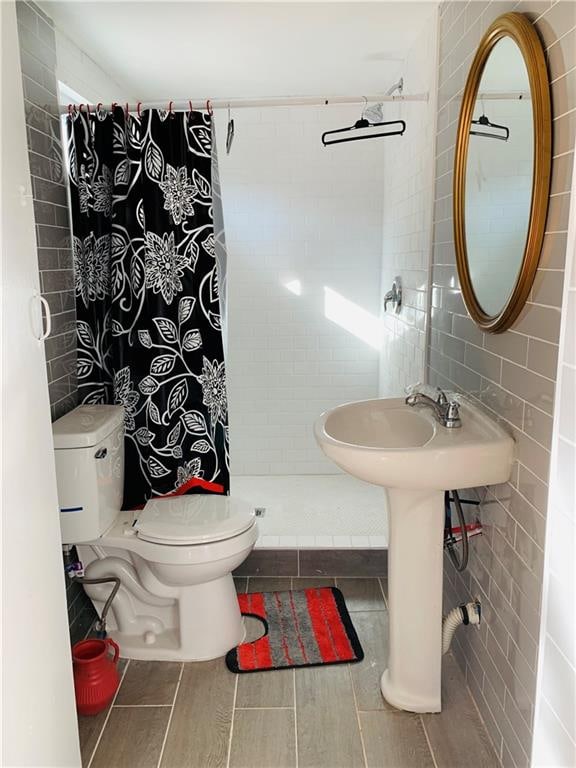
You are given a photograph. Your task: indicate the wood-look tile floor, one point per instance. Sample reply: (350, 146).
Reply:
(200, 715)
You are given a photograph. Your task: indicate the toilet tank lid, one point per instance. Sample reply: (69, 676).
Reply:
(86, 425)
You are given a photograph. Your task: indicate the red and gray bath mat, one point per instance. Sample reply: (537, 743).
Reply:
(304, 628)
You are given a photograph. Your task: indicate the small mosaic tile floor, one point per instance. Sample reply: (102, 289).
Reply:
(316, 511)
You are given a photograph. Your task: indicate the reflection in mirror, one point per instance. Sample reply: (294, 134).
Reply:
(499, 175)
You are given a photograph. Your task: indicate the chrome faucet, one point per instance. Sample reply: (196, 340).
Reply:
(447, 412)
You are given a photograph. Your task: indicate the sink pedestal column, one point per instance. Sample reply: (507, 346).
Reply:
(415, 567)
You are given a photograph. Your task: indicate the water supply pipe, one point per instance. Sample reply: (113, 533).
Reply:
(101, 623)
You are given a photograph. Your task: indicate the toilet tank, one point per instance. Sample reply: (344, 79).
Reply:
(89, 451)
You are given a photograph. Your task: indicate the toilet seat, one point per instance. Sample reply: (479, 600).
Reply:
(193, 519)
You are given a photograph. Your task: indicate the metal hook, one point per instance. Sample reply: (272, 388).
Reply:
(229, 132)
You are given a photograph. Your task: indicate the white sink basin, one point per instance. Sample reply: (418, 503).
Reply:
(404, 449)
(389, 443)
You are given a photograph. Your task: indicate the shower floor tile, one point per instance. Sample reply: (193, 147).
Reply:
(316, 511)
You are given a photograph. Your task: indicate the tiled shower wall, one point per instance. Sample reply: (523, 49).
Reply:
(38, 60)
(304, 239)
(513, 375)
(407, 218)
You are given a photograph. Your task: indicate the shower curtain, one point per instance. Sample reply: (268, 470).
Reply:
(148, 268)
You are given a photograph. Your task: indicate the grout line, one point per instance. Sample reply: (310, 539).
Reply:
(428, 741)
(497, 752)
(107, 716)
(170, 716)
(140, 706)
(262, 709)
(230, 735)
(357, 716)
(382, 590)
(295, 717)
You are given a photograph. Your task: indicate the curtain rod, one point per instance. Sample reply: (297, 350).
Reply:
(286, 101)
(504, 96)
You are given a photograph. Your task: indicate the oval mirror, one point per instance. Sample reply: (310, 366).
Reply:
(502, 172)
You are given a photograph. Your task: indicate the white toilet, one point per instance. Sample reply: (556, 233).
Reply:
(174, 558)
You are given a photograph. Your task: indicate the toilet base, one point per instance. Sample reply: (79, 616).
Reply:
(210, 624)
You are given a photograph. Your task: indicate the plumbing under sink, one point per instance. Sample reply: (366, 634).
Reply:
(407, 450)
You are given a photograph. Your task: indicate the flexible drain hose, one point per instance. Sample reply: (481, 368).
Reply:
(468, 613)
(101, 624)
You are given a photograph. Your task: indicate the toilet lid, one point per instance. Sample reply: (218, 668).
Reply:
(194, 519)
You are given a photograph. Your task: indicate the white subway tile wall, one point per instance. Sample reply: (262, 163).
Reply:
(407, 221)
(513, 375)
(554, 736)
(304, 235)
(77, 70)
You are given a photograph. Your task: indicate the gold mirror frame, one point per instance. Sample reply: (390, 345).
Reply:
(517, 27)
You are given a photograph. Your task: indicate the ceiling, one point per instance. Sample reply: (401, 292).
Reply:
(177, 50)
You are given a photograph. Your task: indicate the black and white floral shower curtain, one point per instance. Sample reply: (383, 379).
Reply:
(148, 309)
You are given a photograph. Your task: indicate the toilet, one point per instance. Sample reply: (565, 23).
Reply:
(174, 558)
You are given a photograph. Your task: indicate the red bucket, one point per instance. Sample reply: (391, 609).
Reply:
(96, 677)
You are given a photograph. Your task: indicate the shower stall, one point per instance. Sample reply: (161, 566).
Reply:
(304, 238)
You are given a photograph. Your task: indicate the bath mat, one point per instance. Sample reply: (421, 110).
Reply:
(304, 628)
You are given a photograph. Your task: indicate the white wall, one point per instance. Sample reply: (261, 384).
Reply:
(79, 72)
(407, 216)
(311, 216)
(554, 737)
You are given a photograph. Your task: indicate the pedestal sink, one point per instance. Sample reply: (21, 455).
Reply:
(409, 453)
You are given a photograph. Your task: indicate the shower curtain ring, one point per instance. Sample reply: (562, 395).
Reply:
(127, 110)
(114, 104)
(190, 105)
(69, 110)
(138, 108)
(170, 107)
(209, 108)
(80, 108)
